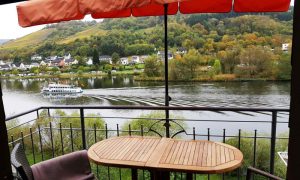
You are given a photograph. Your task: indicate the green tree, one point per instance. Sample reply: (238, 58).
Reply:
(96, 57)
(217, 66)
(262, 153)
(258, 61)
(16, 60)
(115, 58)
(55, 69)
(139, 49)
(152, 122)
(191, 62)
(34, 70)
(43, 68)
(284, 67)
(66, 120)
(152, 67)
(84, 51)
(15, 71)
(175, 69)
(81, 61)
(229, 59)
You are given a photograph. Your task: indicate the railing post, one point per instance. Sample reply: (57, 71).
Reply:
(249, 174)
(48, 110)
(37, 114)
(82, 128)
(254, 148)
(52, 142)
(273, 141)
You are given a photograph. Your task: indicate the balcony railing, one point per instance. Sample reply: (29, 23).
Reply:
(46, 133)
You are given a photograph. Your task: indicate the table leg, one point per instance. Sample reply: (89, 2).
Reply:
(134, 174)
(189, 176)
(159, 175)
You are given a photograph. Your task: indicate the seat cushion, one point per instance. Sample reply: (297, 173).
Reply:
(73, 166)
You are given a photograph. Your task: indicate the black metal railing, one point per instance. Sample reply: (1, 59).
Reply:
(46, 135)
(251, 171)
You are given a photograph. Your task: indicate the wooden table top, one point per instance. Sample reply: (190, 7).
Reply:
(198, 156)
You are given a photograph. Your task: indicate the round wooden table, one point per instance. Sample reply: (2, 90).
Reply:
(165, 155)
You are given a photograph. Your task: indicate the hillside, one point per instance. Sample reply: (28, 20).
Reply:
(91, 31)
(208, 33)
(2, 41)
(30, 40)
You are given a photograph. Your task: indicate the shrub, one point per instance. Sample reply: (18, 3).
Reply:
(152, 122)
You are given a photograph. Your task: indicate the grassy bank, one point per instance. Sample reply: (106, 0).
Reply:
(73, 75)
(217, 78)
(139, 77)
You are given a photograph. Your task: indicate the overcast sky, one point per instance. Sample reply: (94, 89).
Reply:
(9, 27)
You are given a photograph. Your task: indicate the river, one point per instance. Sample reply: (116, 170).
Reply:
(24, 94)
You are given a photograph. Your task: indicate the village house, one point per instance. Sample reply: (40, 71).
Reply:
(89, 61)
(135, 59)
(36, 57)
(47, 62)
(58, 62)
(5, 67)
(285, 47)
(181, 51)
(67, 56)
(105, 58)
(13, 66)
(52, 58)
(43, 63)
(21, 66)
(124, 60)
(143, 58)
(161, 55)
(61, 63)
(34, 64)
(69, 62)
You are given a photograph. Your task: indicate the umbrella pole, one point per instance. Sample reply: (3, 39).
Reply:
(5, 165)
(294, 123)
(167, 124)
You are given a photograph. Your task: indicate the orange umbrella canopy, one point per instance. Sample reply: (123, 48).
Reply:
(37, 12)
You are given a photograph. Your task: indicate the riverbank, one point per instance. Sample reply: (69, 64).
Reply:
(139, 77)
(216, 78)
(73, 75)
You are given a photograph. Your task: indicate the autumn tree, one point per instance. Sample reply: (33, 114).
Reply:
(229, 59)
(191, 61)
(257, 60)
(152, 67)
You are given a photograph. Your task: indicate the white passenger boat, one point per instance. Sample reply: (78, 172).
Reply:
(61, 89)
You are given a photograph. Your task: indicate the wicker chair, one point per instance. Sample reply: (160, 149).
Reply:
(70, 166)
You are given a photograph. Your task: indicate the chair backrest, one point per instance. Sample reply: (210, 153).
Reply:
(20, 162)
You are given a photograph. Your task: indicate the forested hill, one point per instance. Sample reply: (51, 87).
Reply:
(210, 34)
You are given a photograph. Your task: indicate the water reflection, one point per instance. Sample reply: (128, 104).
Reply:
(61, 96)
(67, 99)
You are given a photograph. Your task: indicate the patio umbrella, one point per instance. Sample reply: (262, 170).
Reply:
(37, 12)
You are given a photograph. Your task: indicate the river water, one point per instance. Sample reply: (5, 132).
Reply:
(20, 95)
